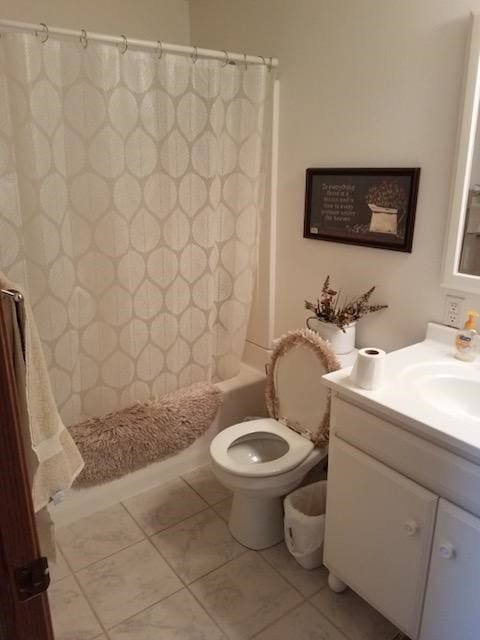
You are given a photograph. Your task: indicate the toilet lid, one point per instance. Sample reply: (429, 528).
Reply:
(295, 393)
(296, 448)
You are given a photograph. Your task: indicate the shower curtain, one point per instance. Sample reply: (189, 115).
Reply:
(131, 190)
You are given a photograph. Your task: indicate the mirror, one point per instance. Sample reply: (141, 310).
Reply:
(462, 256)
(470, 252)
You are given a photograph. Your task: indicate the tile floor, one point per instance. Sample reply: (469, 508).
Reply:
(163, 566)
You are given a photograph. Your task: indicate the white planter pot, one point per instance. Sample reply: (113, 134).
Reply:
(341, 342)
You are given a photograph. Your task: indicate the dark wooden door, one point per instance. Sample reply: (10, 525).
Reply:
(27, 619)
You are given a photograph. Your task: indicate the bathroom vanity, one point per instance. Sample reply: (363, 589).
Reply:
(403, 508)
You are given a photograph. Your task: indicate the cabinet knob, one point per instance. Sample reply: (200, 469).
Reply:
(447, 550)
(411, 527)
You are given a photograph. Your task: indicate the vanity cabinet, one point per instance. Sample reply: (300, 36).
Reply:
(393, 533)
(454, 577)
(379, 533)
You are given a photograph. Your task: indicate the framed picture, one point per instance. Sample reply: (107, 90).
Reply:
(370, 207)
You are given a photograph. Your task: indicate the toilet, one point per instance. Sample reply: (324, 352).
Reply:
(264, 459)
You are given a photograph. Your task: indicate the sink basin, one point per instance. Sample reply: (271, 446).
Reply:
(426, 389)
(452, 388)
(455, 396)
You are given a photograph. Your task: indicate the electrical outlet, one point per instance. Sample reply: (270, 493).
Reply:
(453, 312)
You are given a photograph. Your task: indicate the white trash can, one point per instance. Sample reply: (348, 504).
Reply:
(305, 523)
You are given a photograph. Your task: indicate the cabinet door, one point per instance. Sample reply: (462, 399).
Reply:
(379, 530)
(452, 604)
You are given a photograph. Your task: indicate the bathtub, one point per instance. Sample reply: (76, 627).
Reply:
(243, 396)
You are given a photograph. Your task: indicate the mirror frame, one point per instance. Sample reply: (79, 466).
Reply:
(452, 277)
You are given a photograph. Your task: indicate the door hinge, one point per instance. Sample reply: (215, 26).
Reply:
(33, 578)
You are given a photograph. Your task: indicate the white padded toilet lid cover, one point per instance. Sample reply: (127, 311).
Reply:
(295, 393)
(299, 448)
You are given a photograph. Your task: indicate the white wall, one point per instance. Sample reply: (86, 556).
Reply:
(166, 20)
(363, 83)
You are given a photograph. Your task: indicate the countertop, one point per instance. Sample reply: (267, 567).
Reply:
(400, 399)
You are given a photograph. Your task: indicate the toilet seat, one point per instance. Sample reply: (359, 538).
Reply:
(298, 448)
(294, 392)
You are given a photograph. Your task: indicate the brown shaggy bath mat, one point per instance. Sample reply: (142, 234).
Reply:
(126, 440)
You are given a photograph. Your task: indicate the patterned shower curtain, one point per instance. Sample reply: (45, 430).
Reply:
(131, 190)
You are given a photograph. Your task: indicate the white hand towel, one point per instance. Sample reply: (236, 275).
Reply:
(59, 461)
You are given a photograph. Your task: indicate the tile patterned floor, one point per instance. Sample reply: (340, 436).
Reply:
(163, 566)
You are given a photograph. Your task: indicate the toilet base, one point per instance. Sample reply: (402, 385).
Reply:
(257, 523)
(335, 584)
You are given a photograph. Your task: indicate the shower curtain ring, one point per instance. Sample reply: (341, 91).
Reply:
(123, 46)
(83, 38)
(195, 55)
(245, 63)
(46, 33)
(227, 59)
(159, 50)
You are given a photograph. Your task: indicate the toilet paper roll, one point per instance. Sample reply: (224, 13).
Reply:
(369, 368)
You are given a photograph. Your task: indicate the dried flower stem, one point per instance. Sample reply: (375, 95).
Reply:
(327, 308)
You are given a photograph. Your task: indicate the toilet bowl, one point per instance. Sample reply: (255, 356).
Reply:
(264, 459)
(261, 461)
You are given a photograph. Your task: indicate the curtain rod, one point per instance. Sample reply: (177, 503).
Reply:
(44, 32)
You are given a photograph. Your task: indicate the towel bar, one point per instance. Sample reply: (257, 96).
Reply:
(16, 295)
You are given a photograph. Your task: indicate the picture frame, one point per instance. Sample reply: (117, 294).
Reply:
(368, 207)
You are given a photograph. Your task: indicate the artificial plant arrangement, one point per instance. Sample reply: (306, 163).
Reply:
(328, 307)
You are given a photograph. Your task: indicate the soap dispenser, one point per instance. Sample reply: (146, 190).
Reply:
(465, 340)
